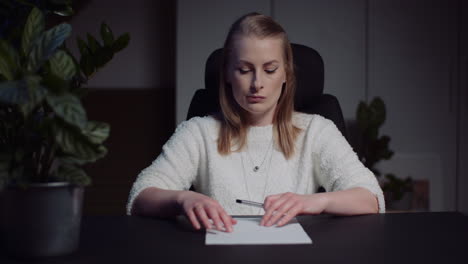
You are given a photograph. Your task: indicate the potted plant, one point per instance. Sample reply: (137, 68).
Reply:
(373, 148)
(45, 136)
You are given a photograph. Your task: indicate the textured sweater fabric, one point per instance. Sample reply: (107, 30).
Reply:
(322, 157)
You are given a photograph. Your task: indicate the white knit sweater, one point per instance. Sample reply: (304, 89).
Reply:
(322, 157)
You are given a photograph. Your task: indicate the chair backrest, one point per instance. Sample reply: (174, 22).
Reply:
(309, 97)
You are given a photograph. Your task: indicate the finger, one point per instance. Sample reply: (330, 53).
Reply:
(272, 207)
(214, 215)
(280, 212)
(227, 221)
(203, 217)
(193, 219)
(289, 215)
(271, 211)
(233, 221)
(270, 199)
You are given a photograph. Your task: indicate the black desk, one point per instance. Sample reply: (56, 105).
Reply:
(389, 238)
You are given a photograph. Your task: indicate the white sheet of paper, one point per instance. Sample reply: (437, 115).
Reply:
(248, 231)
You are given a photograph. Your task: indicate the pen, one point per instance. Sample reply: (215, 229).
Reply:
(249, 203)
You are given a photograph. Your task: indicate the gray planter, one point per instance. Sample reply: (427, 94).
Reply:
(42, 220)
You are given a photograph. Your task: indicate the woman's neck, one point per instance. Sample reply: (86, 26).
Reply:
(262, 119)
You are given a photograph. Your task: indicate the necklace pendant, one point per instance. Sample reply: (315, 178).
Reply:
(256, 168)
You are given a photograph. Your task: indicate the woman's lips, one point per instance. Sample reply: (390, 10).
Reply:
(255, 99)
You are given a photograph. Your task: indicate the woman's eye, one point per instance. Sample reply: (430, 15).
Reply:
(270, 71)
(243, 71)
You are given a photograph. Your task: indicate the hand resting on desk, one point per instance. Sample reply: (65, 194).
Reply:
(281, 208)
(198, 208)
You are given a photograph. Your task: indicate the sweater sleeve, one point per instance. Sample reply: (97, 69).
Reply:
(177, 165)
(339, 167)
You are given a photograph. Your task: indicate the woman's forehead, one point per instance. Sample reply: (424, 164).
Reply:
(254, 50)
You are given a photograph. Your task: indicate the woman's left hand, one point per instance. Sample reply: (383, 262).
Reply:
(286, 206)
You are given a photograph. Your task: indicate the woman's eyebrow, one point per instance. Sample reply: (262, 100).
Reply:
(251, 64)
(271, 62)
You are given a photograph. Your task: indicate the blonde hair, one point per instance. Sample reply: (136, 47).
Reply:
(233, 124)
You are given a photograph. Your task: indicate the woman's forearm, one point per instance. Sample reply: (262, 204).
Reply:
(354, 201)
(157, 202)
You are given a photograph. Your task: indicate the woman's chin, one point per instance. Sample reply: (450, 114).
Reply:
(255, 109)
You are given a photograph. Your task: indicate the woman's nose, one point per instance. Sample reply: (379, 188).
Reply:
(257, 83)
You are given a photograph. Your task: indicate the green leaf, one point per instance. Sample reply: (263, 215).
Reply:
(13, 92)
(372, 133)
(73, 142)
(9, 60)
(68, 107)
(103, 56)
(75, 61)
(70, 160)
(84, 50)
(72, 174)
(362, 116)
(107, 35)
(377, 107)
(47, 45)
(96, 132)
(55, 84)
(62, 65)
(36, 94)
(93, 44)
(87, 65)
(121, 43)
(32, 30)
(68, 11)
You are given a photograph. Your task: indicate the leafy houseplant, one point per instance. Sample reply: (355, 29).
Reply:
(45, 135)
(373, 149)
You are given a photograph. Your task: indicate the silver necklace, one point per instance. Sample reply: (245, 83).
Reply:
(256, 168)
(266, 180)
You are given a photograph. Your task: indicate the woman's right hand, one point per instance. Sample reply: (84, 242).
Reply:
(200, 209)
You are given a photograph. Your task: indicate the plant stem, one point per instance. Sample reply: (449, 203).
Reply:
(46, 161)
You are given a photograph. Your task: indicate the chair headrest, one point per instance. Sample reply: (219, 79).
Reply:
(308, 66)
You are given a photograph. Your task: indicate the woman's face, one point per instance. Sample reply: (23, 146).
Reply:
(256, 72)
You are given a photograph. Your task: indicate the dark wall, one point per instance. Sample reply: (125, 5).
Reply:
(134, 94)
(141, 122)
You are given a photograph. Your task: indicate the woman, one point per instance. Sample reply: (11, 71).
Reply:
(257, 148)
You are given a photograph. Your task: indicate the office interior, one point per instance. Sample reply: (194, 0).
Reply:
(413, 54)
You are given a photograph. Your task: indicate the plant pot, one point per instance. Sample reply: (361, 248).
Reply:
(42, 220)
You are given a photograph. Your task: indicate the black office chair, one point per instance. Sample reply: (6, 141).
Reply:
(309, 97)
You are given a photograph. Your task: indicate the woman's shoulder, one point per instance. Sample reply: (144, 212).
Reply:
(199, 124)
(307, 121)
